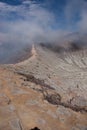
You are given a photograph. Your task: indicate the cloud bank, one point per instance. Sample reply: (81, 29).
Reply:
(32, 22)
(29, 21)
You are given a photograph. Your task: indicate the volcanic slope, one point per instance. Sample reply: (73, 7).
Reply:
(47, 91)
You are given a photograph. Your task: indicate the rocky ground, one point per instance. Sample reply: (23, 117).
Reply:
(48, 91)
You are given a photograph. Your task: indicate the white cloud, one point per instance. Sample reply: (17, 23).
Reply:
(72, 8)
(82, 24)
(35, 27)
(76, 9)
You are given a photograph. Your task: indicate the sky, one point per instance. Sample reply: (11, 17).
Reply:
(30, 21)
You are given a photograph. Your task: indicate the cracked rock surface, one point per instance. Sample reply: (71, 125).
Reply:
(45, 92)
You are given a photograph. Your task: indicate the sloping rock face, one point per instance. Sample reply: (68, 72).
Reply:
(45, 92)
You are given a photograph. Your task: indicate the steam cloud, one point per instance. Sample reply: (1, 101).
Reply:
(30, 23)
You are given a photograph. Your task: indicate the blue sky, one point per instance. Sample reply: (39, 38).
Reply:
(38, 20)
(57, 7)
(12, 2)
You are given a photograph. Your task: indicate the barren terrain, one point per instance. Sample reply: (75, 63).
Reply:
(47, 91)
